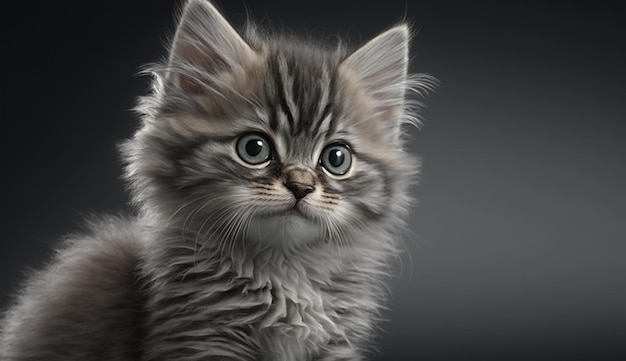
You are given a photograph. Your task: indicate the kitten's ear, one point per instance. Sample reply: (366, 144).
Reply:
(205, 45)
(380, 69)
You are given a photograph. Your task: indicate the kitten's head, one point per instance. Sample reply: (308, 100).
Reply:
(272, 141)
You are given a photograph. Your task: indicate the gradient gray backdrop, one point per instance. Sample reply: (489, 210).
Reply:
(519, 241)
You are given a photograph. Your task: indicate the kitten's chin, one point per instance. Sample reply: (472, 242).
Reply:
(289, 228)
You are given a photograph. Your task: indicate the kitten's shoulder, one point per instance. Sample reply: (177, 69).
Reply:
(85, 297)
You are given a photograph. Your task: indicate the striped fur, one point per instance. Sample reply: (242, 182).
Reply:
(223, 267)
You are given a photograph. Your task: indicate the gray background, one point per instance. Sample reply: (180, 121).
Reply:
(519, 240)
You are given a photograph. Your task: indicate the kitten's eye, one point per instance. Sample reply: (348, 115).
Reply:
(254, 149)
(336, 158)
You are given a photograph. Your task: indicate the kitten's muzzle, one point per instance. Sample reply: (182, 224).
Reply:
(300, 181)
(299, 190)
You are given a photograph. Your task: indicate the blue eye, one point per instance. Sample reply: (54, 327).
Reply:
(336, 158)
(254, 149)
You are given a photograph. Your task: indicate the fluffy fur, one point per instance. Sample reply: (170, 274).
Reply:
(223, 262)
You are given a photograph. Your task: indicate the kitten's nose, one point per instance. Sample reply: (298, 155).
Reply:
(300, 181)
(299, 190)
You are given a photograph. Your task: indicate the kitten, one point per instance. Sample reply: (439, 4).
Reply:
(271, 186)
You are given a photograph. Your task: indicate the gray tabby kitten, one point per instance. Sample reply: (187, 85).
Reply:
(272, 186)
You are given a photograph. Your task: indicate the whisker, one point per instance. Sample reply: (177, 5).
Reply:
(186, 205)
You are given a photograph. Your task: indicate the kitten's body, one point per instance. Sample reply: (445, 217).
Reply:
(85, 305)
(230, 258)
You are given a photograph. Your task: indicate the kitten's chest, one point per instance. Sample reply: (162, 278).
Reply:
(275, 315)
(297, 321)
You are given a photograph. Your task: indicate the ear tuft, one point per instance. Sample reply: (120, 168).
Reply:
(205, 45)
(380, 69)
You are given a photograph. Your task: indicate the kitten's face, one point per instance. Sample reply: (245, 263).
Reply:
(273, 142)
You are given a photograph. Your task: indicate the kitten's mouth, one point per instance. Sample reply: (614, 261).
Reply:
(295, 210)
(298, 209)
